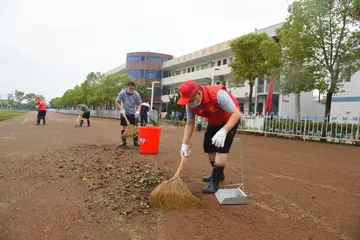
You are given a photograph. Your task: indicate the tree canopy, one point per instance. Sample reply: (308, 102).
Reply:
(256, 55)
(98, 89)
(320, 43)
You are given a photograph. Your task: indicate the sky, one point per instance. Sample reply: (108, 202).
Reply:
(49, 46)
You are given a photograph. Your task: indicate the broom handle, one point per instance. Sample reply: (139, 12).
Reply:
(183, 159)
(127, 121)
(124, 115)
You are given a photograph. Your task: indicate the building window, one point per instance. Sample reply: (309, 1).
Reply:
(219, 63)
(155, 59)
(204, 66)
(152, 74)
(188, 70)
(225, 61)
(157, 92)
(135, 59)
(135, 73)
(192, 69)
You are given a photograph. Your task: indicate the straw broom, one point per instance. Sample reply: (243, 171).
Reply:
(77, 123)
(153, 122)
(131, 130)
(173, 193)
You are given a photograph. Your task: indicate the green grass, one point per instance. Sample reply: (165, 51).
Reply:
(4, 115)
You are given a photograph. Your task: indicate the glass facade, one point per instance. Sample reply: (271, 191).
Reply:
(135, 59)
(147, 74)
(143, 59)
(152, 74)
(136, 73)
(155, 59)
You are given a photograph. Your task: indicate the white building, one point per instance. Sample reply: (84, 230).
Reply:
(347, 103)
(206, 64)
(119, 69)
(212, 62)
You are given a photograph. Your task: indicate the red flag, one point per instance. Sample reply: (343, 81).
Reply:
(269, 97)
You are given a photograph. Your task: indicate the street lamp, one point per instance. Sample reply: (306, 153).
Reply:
(212, 75)
(152, 94)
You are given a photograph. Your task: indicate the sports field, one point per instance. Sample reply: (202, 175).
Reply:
(61, 182)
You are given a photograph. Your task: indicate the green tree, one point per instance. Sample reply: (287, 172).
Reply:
(256, 55)
(30, 98)
(88, 87)
(111, 85)
(173, 106)
(98, 89)
(11, 99)
(19, 96)
(144, 92)
(357, 9)
(56, 102)
(321, 44)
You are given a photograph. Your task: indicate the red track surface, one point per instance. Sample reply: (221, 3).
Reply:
(297, 190)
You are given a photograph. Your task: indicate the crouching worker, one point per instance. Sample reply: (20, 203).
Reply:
(85, 114)
(222, 111)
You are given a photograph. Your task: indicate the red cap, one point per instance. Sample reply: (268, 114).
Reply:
(187, 90)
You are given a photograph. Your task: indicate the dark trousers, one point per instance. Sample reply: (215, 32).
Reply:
(144, 120)
(41, 115)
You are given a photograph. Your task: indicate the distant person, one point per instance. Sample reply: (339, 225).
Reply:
(172, 116)
(129, 103)
(177, 117)
(41, 108)
(145, 106)
(85, 114)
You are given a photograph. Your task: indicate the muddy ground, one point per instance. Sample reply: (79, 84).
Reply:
(58, 182)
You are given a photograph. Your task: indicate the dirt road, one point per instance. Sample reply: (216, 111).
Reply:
(58, 182)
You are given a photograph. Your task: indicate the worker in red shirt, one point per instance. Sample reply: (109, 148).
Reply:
(41, 107)
(222, 111)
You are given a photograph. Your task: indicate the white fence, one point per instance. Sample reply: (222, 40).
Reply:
(338, 129)
(153, 114)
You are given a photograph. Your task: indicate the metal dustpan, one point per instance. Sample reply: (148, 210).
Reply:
(231, 196)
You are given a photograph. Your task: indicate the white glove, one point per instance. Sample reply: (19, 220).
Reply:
(137, 113)
(122, 111)
(184, 152)
(219, 138)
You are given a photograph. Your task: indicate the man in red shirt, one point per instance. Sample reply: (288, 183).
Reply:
(222, 111)
(41, 107)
